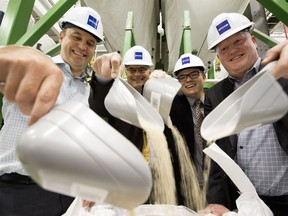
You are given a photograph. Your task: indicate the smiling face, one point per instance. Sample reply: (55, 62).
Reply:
(192, 82)
(137, 75)
(77, 48)
(238, 53)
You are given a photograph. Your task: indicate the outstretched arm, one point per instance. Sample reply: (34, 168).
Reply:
(108, 66)
(30, 79)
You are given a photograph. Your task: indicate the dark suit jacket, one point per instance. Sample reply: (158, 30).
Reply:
(134, 134)
(181, 117)
(96, 103)
(221, 190)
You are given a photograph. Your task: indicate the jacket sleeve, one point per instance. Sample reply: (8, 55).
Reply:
(281, 126)
(97, 96)
(220, 189)
(99, 91)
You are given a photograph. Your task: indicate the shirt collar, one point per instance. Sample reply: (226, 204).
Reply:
(59, 60)
(192, 100)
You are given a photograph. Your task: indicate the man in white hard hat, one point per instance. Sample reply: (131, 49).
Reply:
(190, 72)
(137, 62)
(261, 152)
(19, 194)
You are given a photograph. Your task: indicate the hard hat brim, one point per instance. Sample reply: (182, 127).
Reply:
(135, 62)
(177, 71)
(99, 38)
(212, 47)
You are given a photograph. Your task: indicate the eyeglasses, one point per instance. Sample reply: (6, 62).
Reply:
(139, 70)
(192, 75)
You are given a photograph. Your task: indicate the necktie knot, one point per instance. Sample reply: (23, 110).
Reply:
(197, 103)
(198, 112)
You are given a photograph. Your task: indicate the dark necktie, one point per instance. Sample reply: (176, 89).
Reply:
(199, 139)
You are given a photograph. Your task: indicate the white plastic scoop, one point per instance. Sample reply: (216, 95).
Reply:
(160, 93)
(248, 203)
(127, 104)
(259, 101)
(73, 151)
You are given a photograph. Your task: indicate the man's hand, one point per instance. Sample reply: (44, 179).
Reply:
(215, 209)
(159, 74)
(280, 52)
(88, 204)
(29, 79)
(108, 66)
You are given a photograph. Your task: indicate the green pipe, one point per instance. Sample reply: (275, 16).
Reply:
(264, 38)
(186, 41)
(15, 21)
(279, 8)
(54, 50)
(129, 40)
(46, 22)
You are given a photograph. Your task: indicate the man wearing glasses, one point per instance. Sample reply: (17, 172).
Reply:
(137, 61)
(187, 115)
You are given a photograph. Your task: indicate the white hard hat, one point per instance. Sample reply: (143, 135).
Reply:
(224, 25)
(137, 55)
(188, 60)
(85, 18)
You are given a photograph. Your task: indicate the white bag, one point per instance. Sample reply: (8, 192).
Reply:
(76, 209)
(248, 203)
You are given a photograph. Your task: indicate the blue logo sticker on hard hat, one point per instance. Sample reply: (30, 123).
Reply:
(138, 55)
(223, 27)
(186, 60)
(93, 22)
